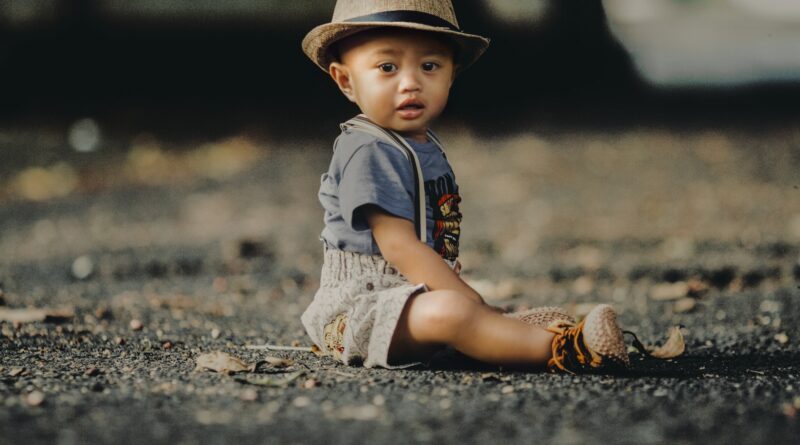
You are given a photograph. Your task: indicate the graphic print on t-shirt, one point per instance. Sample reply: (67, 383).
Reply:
(443, 198)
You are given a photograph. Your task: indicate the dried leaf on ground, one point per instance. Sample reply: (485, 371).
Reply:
(29, 315)
(673, 347)
(278, 362)
(271, 380)
(223, 362)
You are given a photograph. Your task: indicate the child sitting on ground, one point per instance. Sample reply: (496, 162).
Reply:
(390, 293)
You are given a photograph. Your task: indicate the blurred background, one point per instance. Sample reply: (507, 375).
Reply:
(181, 62)
(104, 94)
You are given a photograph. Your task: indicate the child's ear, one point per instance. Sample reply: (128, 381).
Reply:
(341, 75)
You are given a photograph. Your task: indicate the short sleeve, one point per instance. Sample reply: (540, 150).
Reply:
(378, 174)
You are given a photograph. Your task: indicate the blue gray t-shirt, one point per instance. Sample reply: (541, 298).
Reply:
(366, 170)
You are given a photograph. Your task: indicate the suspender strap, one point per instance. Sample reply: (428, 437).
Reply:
(363, 124)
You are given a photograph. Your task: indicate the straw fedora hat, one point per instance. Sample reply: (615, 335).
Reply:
(352, 16)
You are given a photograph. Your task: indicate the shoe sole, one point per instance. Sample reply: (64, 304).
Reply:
(602, 335)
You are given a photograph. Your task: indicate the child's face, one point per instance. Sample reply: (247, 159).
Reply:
(399, 79)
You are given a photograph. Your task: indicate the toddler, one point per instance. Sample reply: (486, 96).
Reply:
(390, 293)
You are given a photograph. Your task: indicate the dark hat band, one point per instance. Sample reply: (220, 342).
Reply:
(422, 18)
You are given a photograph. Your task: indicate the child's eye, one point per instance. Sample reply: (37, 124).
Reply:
(387, 67)
(429, 66)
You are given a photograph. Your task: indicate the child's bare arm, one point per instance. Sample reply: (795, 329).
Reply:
(419, 263)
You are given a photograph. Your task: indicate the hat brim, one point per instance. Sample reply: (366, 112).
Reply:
(317, 42)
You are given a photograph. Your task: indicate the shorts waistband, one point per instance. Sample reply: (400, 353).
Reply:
(340, 265)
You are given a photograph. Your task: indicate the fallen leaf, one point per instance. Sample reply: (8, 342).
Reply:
(278, 362)
(29, 315)
(269, 380)
(222, 362)
(673, 347)
(489, 376)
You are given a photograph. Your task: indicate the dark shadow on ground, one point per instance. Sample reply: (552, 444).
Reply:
(698, 366)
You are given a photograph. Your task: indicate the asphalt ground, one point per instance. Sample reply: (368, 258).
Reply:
(163, 256)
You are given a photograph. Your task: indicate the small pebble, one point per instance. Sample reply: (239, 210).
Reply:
(136, 325)
(782, 338)
(167, 345)
(82, 267)
(685, 305)
(249, 395)
(91, 372)
(34, 398)
(508, 389)
(215, 333)
(220, 285)
(301, 402)
(119, 341)
(16, 372)
(310, 383)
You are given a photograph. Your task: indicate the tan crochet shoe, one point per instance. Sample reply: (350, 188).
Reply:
(593, 343)
(542, 316)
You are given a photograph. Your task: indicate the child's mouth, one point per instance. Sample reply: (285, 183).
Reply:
(410, 110)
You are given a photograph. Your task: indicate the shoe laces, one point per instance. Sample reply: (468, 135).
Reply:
(569, 351)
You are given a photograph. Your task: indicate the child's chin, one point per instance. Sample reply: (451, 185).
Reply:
(407, 126)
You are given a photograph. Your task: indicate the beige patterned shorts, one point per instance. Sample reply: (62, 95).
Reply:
(355, 312)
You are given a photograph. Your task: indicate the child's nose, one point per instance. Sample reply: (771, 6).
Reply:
(409, 81)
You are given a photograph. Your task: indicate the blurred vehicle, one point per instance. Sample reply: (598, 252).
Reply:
(709, 42)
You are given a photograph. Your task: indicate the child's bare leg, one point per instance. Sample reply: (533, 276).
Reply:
(432, 319)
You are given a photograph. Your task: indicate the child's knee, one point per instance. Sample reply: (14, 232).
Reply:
(443, 312)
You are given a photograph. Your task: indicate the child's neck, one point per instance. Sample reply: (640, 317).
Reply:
(417, 137)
